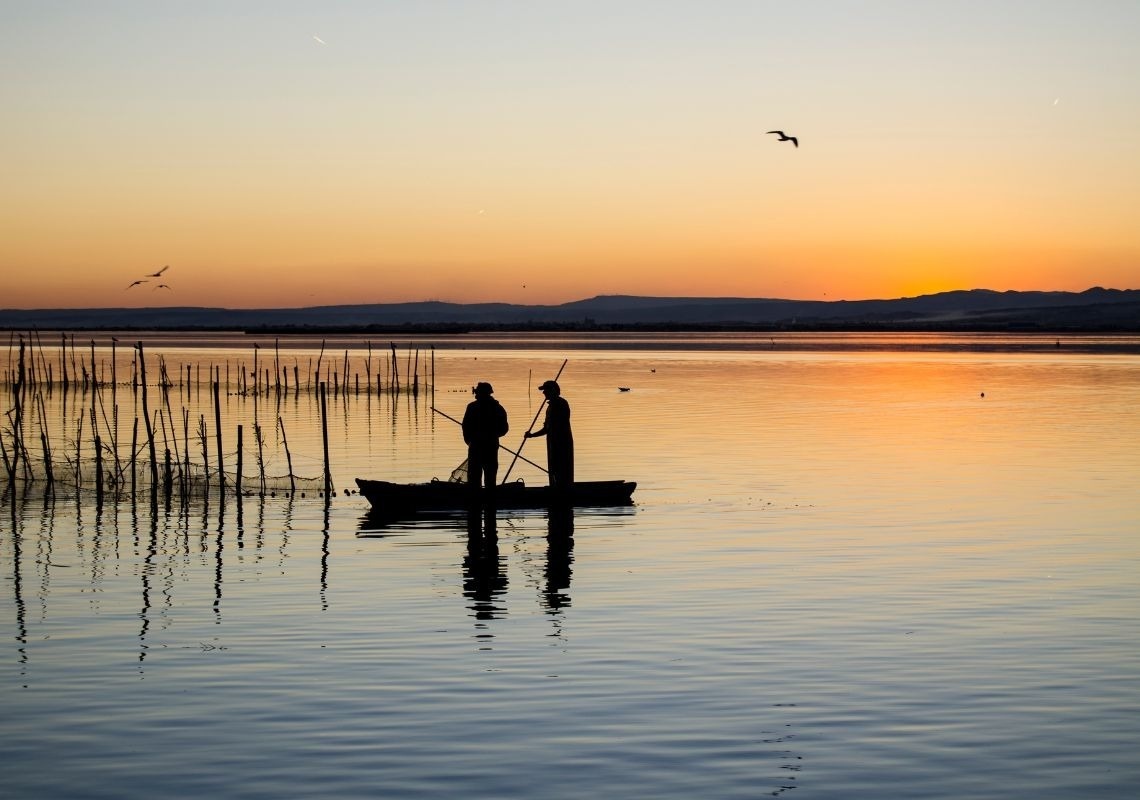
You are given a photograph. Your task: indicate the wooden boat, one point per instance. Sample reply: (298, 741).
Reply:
(436, 495)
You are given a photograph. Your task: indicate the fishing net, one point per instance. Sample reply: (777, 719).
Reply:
(459, 474)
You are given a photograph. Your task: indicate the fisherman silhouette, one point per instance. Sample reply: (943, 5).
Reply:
(559, 438)
(483, 423)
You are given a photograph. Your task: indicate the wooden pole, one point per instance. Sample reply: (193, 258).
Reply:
(325, 439)
(395, 380)
(260, 457)
(186, 482)
(218, 427)
(204, 438)
(63, 360)
(237, 479)
(98, 471)
(288, 457)
(134, 451)
(149, 427)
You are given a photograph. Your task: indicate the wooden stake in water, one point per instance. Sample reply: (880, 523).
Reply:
(149, 428)
(288, 456)
(218, 428)
(98, 471)
(237, 479)
(394, 381)
(46, 444)
(134, 452)
(17, 418)
(260, 457)
(63, 360)
(325, 439)
(204, 440)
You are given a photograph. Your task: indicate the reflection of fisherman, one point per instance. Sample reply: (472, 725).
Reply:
(559, 439)
(483, 423)
(484, 573)
(559, 557)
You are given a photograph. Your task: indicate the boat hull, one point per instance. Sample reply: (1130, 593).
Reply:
(403, 498)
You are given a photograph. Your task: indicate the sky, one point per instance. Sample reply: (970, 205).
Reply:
(286, 153)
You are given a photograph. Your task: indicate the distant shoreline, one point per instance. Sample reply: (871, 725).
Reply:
(1095, 310)
(413, 329)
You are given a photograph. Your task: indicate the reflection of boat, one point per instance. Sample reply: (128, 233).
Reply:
(401, 498)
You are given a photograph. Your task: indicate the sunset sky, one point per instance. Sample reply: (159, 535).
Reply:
(307, 153)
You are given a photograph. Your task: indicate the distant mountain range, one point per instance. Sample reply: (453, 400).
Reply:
(1095, 309)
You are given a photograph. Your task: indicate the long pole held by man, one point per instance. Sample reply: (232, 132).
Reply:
(532, 423)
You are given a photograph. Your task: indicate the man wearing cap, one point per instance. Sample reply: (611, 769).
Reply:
(559, 439)
(483, 423)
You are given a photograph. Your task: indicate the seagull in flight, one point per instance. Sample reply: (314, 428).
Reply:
(136, 283)
(159, 273)
(160, 286)
(785, 138)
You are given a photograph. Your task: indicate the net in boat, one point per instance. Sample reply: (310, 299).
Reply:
(459, 474)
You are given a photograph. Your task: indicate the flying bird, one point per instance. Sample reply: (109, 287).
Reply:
(136, 283)
(159, 273)
(160, 286)
(785, 138)
(318, 39)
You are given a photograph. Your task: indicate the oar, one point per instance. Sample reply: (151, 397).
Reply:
(541, 406)
(503, 446)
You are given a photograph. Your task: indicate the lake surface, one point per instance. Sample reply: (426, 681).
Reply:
(857, 566)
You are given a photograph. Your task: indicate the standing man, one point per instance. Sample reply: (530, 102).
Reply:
(483, 423)
(559, 439)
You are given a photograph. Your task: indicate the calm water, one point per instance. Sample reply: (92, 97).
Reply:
(891, 567)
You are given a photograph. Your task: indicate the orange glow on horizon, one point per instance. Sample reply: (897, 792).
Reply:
(528, 166)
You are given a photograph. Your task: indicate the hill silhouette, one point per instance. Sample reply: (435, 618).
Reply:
(1095, 309)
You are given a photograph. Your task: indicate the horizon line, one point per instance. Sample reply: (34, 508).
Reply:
(569, 302)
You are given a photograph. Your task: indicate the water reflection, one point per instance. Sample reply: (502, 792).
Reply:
(484, 570)
(152, 559)
(559, 557)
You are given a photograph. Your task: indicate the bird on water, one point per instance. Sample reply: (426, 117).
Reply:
(785, 138)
